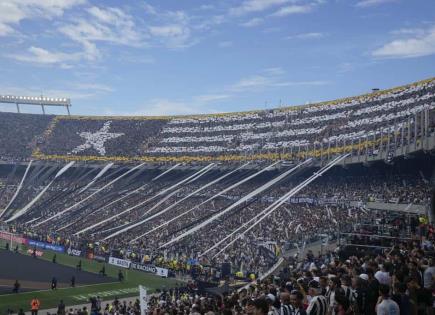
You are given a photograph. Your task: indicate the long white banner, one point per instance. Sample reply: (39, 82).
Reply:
(124, 263)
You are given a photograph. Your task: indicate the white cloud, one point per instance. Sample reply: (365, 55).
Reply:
(253, 22)
(111, 25)
(14, 11)
(144, 59)
(73, 93)
(5, 30)
(39, 55)
(292, 9)
(268, 78)
(172, 36)
(312, 35)
(205, 98)
(274, 71)
(408, 32)
(249, 6)
(421, 44)
(207, 7)
(157, 107)
(167, 31)
(372, 3)
(93, 87)
(173, 29)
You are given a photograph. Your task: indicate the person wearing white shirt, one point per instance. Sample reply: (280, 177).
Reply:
(383, 276)
(385, 305)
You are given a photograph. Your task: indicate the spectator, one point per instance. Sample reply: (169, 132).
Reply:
(385, 305)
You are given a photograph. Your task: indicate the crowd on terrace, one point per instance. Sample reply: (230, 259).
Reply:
(134, 202)
(154, 211)
(396, 279)
(19, 135)
(316, 127)
(373, 124)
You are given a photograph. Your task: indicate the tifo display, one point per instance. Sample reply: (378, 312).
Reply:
(320, 209)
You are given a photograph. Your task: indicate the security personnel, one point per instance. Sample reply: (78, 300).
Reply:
(34, 306)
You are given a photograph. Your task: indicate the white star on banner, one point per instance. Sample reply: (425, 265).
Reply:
(97, 139)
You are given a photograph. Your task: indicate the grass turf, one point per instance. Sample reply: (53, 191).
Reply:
(80, 295)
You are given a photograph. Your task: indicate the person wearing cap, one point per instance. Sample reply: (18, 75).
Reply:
(271, 300)
(318, 304)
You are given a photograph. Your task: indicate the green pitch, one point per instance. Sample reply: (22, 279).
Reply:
(81, 294)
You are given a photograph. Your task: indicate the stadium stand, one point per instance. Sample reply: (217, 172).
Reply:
(375, 125)
(186, 194)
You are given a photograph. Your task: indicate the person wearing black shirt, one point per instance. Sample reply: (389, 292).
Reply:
(54, 283)
(120, 276)
(103, 271)
(402, 299)
(16, 288)
(372, 290)
(61, 308)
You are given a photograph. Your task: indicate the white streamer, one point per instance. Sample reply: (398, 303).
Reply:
(298, 228)
(115, 201)
(91, 195)
(240, 201)
(283, 199)
(195, 176)
(18, 189)
(100, 173)
(195, 192)
(31, 203)
(165, 172)
(251, 220)
(143, 202)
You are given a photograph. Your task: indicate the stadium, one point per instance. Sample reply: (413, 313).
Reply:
(215, 197)
(141, 174)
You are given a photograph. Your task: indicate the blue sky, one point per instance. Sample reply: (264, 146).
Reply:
(182, 57)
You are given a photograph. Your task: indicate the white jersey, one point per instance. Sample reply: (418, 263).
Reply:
(318, 306)
(387, 307)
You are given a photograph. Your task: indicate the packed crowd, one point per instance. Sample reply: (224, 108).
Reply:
(138, 214)
(399, 280)
(311, 128)
(20, 134)
(375, 124)
(126, 137)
